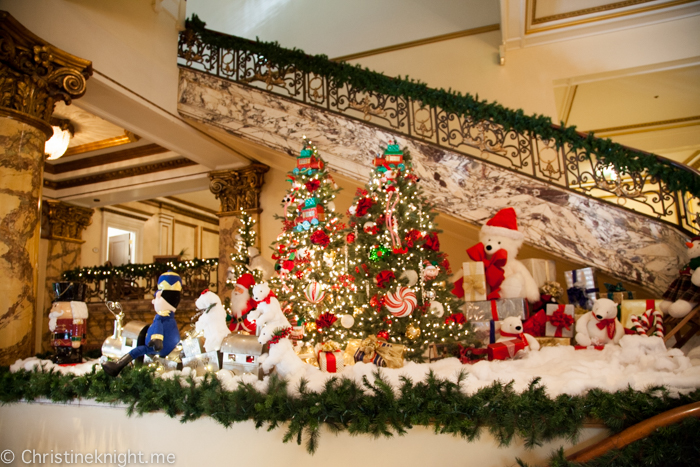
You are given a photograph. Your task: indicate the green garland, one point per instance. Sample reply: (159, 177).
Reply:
(625, 160)
(96, 273)
(343, 405)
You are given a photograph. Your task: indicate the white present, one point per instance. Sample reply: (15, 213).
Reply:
(542, 270)
(330, 357)
(565, 319)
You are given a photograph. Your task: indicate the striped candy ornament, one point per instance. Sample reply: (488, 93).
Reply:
(650, 318)
(314, 293)
(401, 303)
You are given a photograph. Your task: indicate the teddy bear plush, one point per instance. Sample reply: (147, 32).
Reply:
(505, 275)
(684, 292)
(512, 328)
(212, 321)
(600, 326)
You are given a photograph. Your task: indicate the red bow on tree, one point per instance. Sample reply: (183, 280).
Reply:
(325, 320)
(456, 318)
(493, 267)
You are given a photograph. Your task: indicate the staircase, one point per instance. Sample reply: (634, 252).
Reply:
(588, 200)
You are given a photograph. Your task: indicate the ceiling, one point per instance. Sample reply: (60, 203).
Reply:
(657, 109)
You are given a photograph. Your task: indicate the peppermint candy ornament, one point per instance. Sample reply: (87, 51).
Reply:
(401, 303)
(314, 293)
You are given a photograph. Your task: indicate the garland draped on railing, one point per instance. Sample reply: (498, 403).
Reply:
(141, 270)
(625, 160)
(371, 408)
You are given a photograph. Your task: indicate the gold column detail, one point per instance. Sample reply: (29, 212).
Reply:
(238, 189)
(34, 75)
(63, 221)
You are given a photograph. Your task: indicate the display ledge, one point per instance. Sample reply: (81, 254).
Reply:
(87, 426)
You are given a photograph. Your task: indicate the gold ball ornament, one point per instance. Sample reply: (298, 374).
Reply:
(439, 285)
(310, 327)
(412, 332)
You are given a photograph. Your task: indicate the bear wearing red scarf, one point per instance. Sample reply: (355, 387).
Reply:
(506, 277)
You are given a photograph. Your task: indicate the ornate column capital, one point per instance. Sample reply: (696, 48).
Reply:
(238, 189)
(34, 75)
(63, 221)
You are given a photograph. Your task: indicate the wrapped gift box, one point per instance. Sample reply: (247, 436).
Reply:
(617, 292)
(553, 341)
(504, 350)
(542, 270)
(581, 287)
(484, 331)
(474, 281)
(350, 350)
(560, 321)
(193, 346)
(384, 354)
(635, 307)
(330, 357)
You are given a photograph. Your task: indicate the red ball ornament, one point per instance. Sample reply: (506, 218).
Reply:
(314, 293)
(351, 237)
(383, 335)
(401, 303)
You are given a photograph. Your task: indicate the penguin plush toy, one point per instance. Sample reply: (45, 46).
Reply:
(163, 335)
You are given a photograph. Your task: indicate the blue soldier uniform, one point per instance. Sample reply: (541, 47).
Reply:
(163, 335)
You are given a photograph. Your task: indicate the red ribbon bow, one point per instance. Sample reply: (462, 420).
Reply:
(610, 324)
(560, 320)
(493, 267)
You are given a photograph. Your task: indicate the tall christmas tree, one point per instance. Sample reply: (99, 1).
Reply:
(312, 284)
(401, 277)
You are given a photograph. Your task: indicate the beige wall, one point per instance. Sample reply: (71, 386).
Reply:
(161, 230)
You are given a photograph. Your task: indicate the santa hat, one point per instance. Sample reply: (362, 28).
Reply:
(246, 280)
(505, 224)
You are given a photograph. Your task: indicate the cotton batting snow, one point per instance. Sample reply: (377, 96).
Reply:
(638, 362)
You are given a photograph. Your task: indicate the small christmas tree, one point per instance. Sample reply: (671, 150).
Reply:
(240, 258)
(312, 284)
(401, 276)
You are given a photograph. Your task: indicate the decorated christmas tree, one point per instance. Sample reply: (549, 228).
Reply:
(401, 277)
(312, 283)
(241, 256)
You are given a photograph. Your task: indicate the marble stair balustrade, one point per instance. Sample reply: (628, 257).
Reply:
(622, 243)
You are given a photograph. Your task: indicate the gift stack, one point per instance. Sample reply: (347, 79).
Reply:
(197, 358)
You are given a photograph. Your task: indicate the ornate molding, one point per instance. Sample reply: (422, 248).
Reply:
(34, 75)
(63, 221)
(238, 189)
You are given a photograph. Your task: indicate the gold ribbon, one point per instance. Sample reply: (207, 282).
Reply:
(330, 346)
(474, 284)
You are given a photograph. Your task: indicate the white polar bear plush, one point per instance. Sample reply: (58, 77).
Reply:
(281, 355)
(268, 307)
(512, 328)
(600, 326)
(683, 294)
(501, 233)
(257, 263)
(212, 321)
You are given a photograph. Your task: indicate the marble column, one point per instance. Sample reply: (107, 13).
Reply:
(236, 190)
(34, 75)
(62, 224)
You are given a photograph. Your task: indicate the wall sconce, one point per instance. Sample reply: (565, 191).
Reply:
(56, 146)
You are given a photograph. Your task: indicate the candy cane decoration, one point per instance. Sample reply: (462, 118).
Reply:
(641, 325)
(390, 221)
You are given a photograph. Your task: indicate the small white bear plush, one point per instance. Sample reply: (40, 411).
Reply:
(268, 307)
(505, 275)
(512, 328)
(600, 326)
(684, 292)
(257, 263)
(281, 355)
(212, 321)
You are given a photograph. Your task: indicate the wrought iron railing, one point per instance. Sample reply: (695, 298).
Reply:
(559, 160)
(139, 281)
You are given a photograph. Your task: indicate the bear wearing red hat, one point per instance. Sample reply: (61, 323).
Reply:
(242, 304)
(501, 240)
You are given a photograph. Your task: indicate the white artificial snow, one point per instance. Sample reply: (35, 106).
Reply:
(638, 362)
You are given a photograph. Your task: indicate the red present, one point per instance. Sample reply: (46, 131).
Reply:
(536, 324)
(471, 354)
(583, 347)
(505, 349)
